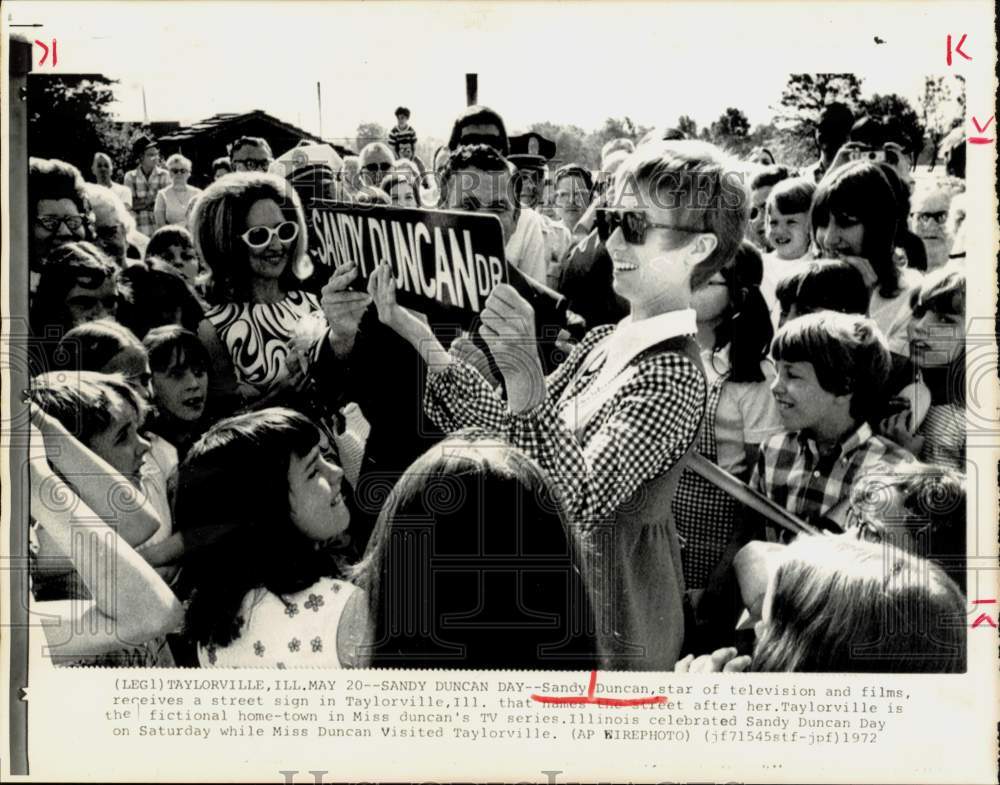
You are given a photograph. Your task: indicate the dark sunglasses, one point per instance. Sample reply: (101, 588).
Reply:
(252, 164)
(633, 224)
(383, 167)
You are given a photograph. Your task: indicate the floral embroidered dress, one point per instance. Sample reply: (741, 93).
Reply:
(298, 630)
(259, 335)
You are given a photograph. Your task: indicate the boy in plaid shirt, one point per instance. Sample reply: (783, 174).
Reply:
(831, 373)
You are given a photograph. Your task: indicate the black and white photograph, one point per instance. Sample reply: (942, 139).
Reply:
(506, 338)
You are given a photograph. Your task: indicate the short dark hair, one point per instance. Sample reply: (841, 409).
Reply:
(167, 236)
(847, 352)
(152, 293)
(793, 195)
(836, 119)
(830, 285)
(770, 176)
(402, 110)
(480, 115)
(250, 141)
(169, 340)
(223, 162)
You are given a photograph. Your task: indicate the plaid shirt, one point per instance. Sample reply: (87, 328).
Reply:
(642, 428)
(791, 472)
(144, 191)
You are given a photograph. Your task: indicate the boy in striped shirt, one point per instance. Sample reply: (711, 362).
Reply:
(402, 137)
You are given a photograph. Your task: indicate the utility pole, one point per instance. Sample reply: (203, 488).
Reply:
(319, 103)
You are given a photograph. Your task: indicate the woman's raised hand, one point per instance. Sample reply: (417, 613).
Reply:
(343, 309)
(508, 327)
(382, 288)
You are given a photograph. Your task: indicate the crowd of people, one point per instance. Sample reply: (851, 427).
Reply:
(714, 418)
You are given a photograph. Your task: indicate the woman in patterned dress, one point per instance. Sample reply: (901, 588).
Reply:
(612, 423)
(250, 231)
(259, 506)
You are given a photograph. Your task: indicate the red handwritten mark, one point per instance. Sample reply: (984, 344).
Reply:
(957, 49)
(580, 700)
(983, 618)
(981, 129)
(45, 52)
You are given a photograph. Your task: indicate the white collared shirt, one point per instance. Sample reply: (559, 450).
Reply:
(632, 338)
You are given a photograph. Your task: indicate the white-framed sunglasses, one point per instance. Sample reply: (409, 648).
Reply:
(260, 236)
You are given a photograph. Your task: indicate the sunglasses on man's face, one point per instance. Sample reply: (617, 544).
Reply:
(252, 165)
(633, 224)
(258, 237)
(377, 168)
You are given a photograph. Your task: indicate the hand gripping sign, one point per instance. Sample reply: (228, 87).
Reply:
(445, 263)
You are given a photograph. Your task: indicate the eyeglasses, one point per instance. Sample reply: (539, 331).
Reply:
(252, 164)
(179, 171)
(938, 217)
(633, 224)
(258, 237)
(52, 222)
(382, 167)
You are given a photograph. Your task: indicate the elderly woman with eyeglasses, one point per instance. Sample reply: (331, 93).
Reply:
(174, 202)
(250, 230)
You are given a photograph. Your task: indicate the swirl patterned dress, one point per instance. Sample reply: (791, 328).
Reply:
(258, 335)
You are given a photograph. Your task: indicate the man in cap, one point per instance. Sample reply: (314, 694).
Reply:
(530, 153)
(145, 181)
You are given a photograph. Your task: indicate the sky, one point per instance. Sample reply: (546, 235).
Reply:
(562, 62)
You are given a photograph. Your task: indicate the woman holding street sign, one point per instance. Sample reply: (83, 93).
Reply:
(612, 423)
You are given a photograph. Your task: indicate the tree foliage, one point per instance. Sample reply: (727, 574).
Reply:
(732, 124)
(805, 95)
(942, 107)
(687, 126)
(69, 118)
(368, 133)
(898, 118)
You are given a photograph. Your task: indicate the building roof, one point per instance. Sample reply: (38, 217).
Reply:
(227, 122)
